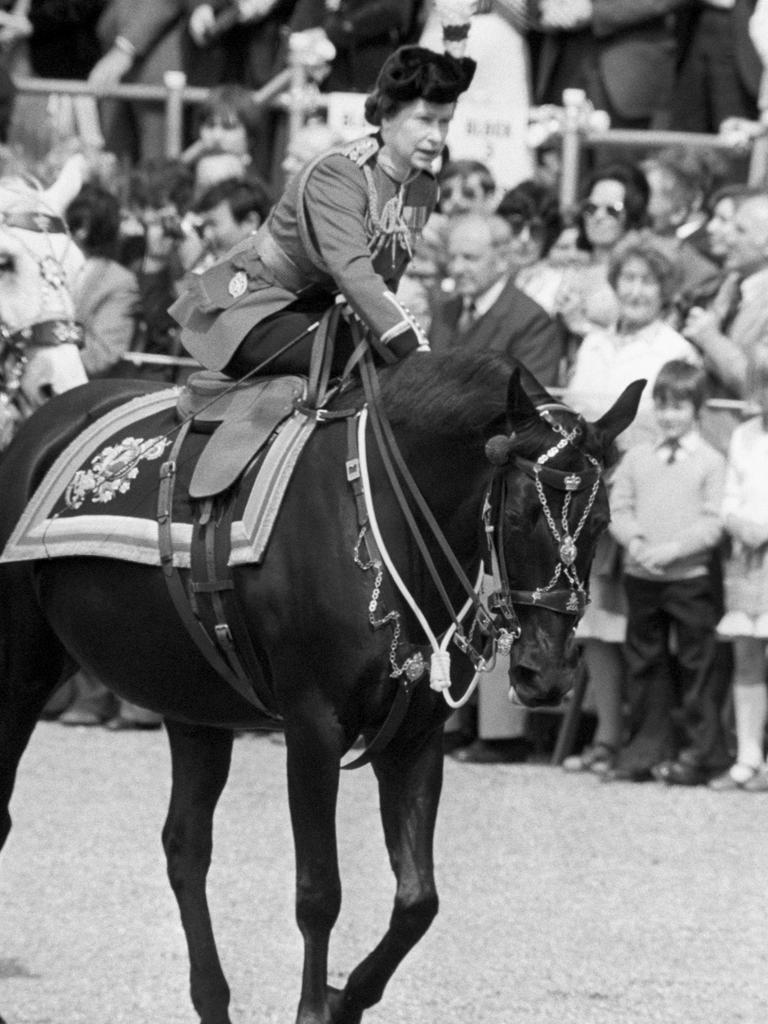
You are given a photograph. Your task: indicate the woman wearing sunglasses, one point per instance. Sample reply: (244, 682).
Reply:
(615, 202)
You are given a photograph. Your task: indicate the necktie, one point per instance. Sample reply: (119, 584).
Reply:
(468, 315)
(726, 303)
(673, 448)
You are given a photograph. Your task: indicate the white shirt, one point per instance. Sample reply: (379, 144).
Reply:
(608, 361)
(484, 301)
(683, 447)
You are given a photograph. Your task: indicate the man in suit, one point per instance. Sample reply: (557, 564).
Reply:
(620, 52)
(737, 320)
(487, 310)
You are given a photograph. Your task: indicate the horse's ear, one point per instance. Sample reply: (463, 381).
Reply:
(519, 405)
(620, 415)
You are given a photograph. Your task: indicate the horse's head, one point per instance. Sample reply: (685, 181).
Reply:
(551, 507)
(39, 264)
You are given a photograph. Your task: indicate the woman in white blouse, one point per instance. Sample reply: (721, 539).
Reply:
(636, 346)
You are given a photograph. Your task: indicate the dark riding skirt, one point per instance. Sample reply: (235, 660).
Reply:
(282, 342)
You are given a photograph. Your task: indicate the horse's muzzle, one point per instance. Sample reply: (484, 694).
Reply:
(537, 682)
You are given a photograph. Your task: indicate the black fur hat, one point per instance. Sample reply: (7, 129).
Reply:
(416, 73)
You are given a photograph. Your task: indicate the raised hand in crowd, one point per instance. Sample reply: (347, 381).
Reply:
(110, 69)
(564, 15)
(14, 25)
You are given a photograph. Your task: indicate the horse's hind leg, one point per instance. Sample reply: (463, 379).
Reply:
(409, 792)
(31, 664)
(201, 758)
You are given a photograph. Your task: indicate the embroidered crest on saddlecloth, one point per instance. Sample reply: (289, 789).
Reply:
(112, 470)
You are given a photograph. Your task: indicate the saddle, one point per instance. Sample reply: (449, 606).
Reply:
(241, 418)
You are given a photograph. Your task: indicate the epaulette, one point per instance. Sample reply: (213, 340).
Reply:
(361, 150)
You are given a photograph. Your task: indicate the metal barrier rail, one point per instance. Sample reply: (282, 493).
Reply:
(576, 134)
(174, 93)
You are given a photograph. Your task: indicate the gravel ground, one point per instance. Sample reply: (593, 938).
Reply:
(563, 901)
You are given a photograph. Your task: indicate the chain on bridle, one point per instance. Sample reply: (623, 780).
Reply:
(571, 599)
(13, 363)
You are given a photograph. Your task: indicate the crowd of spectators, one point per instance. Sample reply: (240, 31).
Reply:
(663, 264)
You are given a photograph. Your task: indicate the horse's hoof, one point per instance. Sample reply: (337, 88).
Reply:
(342, 1009)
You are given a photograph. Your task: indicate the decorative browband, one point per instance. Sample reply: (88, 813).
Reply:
(34, 220)
(49, 333)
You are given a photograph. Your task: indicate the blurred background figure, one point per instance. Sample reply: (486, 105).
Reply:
(139, 41)
(363, 34)
(15, 27)
(680, 182)
(621, 53)
(106, 293)
(242, 42)
(312, 139)
(532, 211)
(499, 99)
(719, 71)
(615, 201)
(228, 137)
(466, 186)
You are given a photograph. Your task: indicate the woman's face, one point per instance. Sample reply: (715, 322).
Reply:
(719, 224)
(526, 243)
(224, 134)
(460, 194)
(415, 136)
(604, 214)
(639, 293)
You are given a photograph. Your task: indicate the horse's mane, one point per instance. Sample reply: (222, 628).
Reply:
(452, 394)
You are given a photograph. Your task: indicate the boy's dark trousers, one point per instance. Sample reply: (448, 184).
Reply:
(691, 606)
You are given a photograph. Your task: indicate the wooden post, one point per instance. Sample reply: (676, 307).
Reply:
(573, 102)
(175, 82)
(758, 162)
(296, 97)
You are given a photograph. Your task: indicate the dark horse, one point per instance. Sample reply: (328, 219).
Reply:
(471, 436)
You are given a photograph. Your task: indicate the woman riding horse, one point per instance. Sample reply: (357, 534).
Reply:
(345, 224)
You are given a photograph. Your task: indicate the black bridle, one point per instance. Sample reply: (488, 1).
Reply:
(572, 599)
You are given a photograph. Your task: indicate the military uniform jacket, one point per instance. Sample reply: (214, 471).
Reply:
(342, 225)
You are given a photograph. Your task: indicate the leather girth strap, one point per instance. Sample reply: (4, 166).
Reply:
(224, 653)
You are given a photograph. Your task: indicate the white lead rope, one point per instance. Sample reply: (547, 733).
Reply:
(440, 662)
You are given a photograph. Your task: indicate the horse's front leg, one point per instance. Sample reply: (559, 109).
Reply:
(409, 792)
(314, 749)
(200, 758)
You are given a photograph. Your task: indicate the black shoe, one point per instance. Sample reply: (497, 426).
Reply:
(454, 740)
(120, 724)
(514, 751)
(627, 775)
(80, 716)
(680, 773)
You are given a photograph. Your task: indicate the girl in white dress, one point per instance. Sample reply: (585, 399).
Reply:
(745, 515)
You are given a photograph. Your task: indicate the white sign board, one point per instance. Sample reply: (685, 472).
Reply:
(346, 114)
